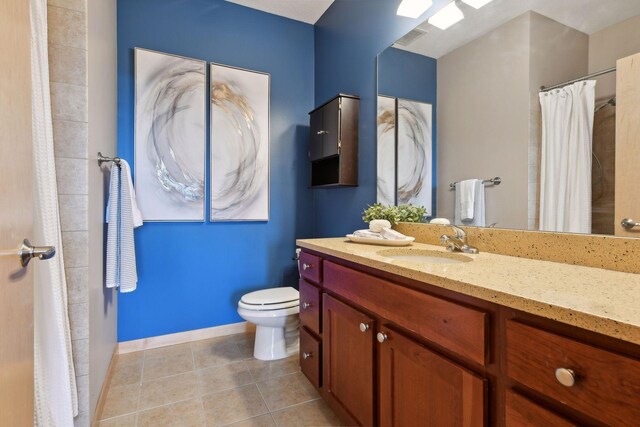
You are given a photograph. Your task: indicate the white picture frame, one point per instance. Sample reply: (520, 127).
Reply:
(239, 148)
(170, 136)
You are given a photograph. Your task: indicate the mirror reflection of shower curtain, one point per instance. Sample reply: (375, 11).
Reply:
(55, 392)
(565, 168)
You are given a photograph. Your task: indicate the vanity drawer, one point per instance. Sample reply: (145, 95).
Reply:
(521, 412)
(606, 386)
(310, 306)
(455, 327)
(310, 267)
(310, 354)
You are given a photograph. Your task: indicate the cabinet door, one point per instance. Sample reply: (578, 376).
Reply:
(348, 368)
(331, 127)
(521, 412)
(315, 136)
(419, 387)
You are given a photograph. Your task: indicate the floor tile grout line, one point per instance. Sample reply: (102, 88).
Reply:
(167, 404)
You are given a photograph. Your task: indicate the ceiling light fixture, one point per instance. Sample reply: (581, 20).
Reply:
(413, 8)
(477, 3)
(447, 16)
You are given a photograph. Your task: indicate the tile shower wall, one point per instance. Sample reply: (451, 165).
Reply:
(68, 78)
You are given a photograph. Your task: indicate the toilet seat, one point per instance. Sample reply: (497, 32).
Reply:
(270, 299)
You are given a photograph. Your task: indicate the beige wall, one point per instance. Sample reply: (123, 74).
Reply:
(488, 111)
(609, 45)
(483, 119)
(102, 70)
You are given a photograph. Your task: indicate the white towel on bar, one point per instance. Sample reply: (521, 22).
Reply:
(466, 191)
(121, 254)
(479, 210)
(137, 215)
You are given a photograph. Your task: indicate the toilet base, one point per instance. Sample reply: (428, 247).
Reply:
(276, 343)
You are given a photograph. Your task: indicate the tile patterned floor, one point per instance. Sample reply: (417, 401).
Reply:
(214, 382)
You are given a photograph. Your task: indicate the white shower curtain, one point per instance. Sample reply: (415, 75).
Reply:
(56, 398)
(565, 168)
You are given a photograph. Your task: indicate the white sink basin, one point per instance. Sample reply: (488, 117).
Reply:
(424, 256)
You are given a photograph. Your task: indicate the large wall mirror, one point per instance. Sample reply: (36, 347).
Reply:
(503, 113)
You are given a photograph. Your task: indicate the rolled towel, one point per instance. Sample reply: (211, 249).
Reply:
(377, 225)
(441, 221)
(368, 234)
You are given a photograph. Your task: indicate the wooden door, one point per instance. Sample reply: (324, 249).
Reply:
(419, 387)
(315, 137)
(348, 368)
(627, 204)
(521, 412)
(331, 126)
(16, 207)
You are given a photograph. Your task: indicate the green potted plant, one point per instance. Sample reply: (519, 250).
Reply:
(394, 214)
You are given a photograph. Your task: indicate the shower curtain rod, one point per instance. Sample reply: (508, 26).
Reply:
(590, 76)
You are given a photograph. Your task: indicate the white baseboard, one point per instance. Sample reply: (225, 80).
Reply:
(184, 337)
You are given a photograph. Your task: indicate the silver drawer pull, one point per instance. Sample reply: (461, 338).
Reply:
(566, 377)
(305, 356)
(307, 266)
(628, 223)
(364, 327)
(306, 305)
(382, 337)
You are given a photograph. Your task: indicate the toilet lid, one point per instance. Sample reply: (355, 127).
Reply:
(272, 296)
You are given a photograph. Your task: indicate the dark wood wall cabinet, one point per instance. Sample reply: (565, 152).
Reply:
(389, 351)
(333, 142)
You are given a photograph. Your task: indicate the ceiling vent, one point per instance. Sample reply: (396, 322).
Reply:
(410, 37)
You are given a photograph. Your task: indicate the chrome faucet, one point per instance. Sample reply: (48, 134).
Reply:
(458, 242)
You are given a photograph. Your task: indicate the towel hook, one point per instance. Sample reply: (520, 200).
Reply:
(103, 159)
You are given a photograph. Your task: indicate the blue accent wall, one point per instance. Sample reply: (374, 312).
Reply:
(191, 275)
(407, 75)
(348, 38)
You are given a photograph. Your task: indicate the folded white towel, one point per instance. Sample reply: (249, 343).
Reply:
(466, 191)
(121, 254)
(390, 234)
(368, 234)
(479, 211)
(137, 215)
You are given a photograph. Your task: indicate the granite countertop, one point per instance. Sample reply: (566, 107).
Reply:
(603, 301)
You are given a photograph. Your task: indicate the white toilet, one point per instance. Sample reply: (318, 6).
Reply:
(275, 314)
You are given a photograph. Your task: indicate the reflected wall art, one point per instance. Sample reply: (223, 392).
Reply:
(239, 144)
(170, 136)
(386, 155)
(415, 163)
(405, 152)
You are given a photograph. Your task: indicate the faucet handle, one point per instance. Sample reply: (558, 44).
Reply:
(460, 233)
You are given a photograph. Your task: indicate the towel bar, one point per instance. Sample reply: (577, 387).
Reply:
(495, 181)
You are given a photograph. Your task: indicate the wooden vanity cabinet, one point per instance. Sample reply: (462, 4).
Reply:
(396, 352)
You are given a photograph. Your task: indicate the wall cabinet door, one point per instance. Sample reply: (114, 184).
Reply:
(348, 368)
(316, 133)
(331, 128)
(419, 387)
